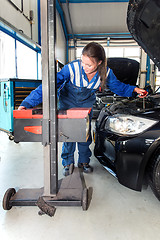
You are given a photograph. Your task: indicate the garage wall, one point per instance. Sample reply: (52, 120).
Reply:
(9, 13)
(19, 20)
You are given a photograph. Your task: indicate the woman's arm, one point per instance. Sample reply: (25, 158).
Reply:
(122, 89)
(33, 99)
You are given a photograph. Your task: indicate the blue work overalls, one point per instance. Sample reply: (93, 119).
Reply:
(74, 90)
(84, 99)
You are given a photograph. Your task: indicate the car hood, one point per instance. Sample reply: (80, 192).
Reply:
(126, 70)
(143, 20)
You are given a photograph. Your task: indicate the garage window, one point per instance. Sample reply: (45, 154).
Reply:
(7, 56)
(19, 58)
(26, 62)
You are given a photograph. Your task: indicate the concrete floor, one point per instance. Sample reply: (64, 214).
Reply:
(115, 212)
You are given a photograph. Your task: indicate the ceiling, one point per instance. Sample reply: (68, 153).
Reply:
(94, 18)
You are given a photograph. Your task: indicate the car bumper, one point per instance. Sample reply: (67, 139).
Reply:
(124, 157)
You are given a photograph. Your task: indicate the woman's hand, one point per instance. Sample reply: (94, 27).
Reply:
(21, 108)
(141, 92)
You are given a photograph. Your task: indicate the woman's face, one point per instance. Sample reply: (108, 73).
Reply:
(89, 64)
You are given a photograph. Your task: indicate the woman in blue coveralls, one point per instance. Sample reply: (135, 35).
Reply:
(77, 83)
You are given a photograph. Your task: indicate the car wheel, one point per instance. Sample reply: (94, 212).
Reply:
(154, 174)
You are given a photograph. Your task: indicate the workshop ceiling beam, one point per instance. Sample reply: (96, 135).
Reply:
(61, 13)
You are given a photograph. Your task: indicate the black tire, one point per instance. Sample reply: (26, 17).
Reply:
(7, 196)
(85, 199)
(154, 174)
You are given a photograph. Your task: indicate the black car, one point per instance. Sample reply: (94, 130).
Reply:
(127, 141)
(127, 133)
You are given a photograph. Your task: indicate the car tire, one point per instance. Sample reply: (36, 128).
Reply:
(154, 174)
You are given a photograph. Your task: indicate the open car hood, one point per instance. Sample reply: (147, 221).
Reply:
(143, 20)
(126, 70)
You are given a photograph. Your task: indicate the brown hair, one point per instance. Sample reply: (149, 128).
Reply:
(96, 51)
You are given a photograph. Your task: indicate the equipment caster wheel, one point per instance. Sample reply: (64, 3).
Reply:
(11, 137)
(7, 196)
(71, 168)
(85, 199)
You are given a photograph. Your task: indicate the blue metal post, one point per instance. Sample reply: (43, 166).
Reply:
(39, 21)
(16, 58)
(67, 51)
(148, 68)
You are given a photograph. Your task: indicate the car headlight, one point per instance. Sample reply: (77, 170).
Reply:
(128, 124)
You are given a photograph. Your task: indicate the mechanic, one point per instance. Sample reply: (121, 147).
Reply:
(77, 83)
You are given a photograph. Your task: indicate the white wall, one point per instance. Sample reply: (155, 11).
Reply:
(16, 18)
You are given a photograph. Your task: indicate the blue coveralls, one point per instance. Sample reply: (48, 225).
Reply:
(74, 90)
